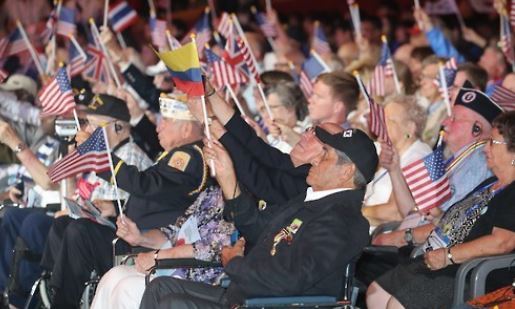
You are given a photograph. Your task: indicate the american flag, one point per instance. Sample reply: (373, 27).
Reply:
(376, 118)
(320, 43)
(427, 180)
(3, 75)
(249, 61)
(311, 68)
(202, 32)
(122, 16)
(90, 156)
(56, 98)
(4, 43)
(66, 23)
(225, 27)
(16, 43)
(450, 69)
(504, 97)
(222, 73)
(233, 54)
(158, 32)
(76, 60)
(265, 25)
(383, 69)
(512, 14)
(505, 42)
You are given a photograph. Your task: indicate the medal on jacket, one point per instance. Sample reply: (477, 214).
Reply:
(287, 234)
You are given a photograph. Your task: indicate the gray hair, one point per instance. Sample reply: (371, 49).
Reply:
(291, 96)
(414, 112)
(358, 178)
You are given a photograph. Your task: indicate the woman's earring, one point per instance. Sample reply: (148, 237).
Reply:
(513, 162)
(407, 135)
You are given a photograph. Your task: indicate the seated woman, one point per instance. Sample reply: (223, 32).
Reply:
(480, 225)
(289, 109)
(200, 233)
(405, 121)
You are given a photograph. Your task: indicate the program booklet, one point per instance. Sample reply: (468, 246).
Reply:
(87, 210)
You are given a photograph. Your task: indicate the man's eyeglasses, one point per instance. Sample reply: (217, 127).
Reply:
(492, 141)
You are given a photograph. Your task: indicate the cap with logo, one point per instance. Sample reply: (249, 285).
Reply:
(19, 82)
(479, 102)
(173, 106)
(356, 145)
(107, 105)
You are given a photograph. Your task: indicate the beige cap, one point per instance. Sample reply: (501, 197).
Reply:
(18, 81)
(175, 108)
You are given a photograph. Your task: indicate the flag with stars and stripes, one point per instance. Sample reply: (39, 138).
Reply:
(56, 98)
(450, 68)
(16, 44)
(427, 180)
(311, 68)
(90, 156)
(222, 73)
(225, 26)
(202, 31)
(320, 42)
(382, 70)
(158, 32)
(376, 118)
(249, 61)
(76, 60)
(504, 97)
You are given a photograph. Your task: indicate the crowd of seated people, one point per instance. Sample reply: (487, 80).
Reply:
(281, 182)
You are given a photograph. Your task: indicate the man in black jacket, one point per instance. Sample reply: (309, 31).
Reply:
(301, 249)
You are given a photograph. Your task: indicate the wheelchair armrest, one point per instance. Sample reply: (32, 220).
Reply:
(180, 263)
(479, 274)
(385, 228)
(290, 301)
(373, 249)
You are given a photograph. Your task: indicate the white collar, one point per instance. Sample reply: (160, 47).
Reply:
(316, 195)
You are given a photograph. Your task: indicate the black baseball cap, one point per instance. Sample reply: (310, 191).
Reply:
(107, 105)
(478, 101)
(356, 145)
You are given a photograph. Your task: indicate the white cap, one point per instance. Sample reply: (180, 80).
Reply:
(175, 108)
(18, 82)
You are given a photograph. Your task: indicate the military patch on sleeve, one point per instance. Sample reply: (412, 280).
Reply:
(179, 160)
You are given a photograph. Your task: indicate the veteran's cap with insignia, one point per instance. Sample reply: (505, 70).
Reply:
(83, 97)
(107, 105)
(356, 145)
(175, 108)
(479, 102)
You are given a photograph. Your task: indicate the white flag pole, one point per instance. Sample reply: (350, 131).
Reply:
(77, 47)
(170, 39)
(106, 12)
(31, 49)
(361, 87)
(322, 62)
(235, 99)
(116, 193)
(444, 87)
(152, 8)
(106, 53)
(53, 41)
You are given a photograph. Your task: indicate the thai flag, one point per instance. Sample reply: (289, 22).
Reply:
(157, 31)
(66, 23)
(320, 43)
(383, 69)
(121, 16)
(16, 43)
(311, 68)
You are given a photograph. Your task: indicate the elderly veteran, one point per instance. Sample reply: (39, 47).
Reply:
(158, 196)
(302, 248)
(480, 225)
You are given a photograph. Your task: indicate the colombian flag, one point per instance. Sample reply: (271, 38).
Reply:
(185, 68)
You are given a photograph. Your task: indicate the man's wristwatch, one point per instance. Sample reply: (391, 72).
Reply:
(19, 148)
(408, 236)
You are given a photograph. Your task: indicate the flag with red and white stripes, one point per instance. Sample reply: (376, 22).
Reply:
(223, 74)
(158, 32)
(122, 16)
(267, 27)
(382, 70)
(512, 14)
(66, 22)
(225, 26)
(311, 68)
(427, 180)
(249, 61)
(450, 69)
(90, 156)
(504, 97)
(56, 98)
(76, 60)
(4, 42)
(16, 44)
(506, 43)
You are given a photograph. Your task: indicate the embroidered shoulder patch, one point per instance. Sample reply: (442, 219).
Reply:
(179, 160)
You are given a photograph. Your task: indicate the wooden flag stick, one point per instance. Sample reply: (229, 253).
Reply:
(106, 12)
(31, 49)
(116, 193)
(235, 99)
(110, 65)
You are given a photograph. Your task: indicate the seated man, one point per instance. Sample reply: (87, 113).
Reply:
(157, 196)
(301, 249)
